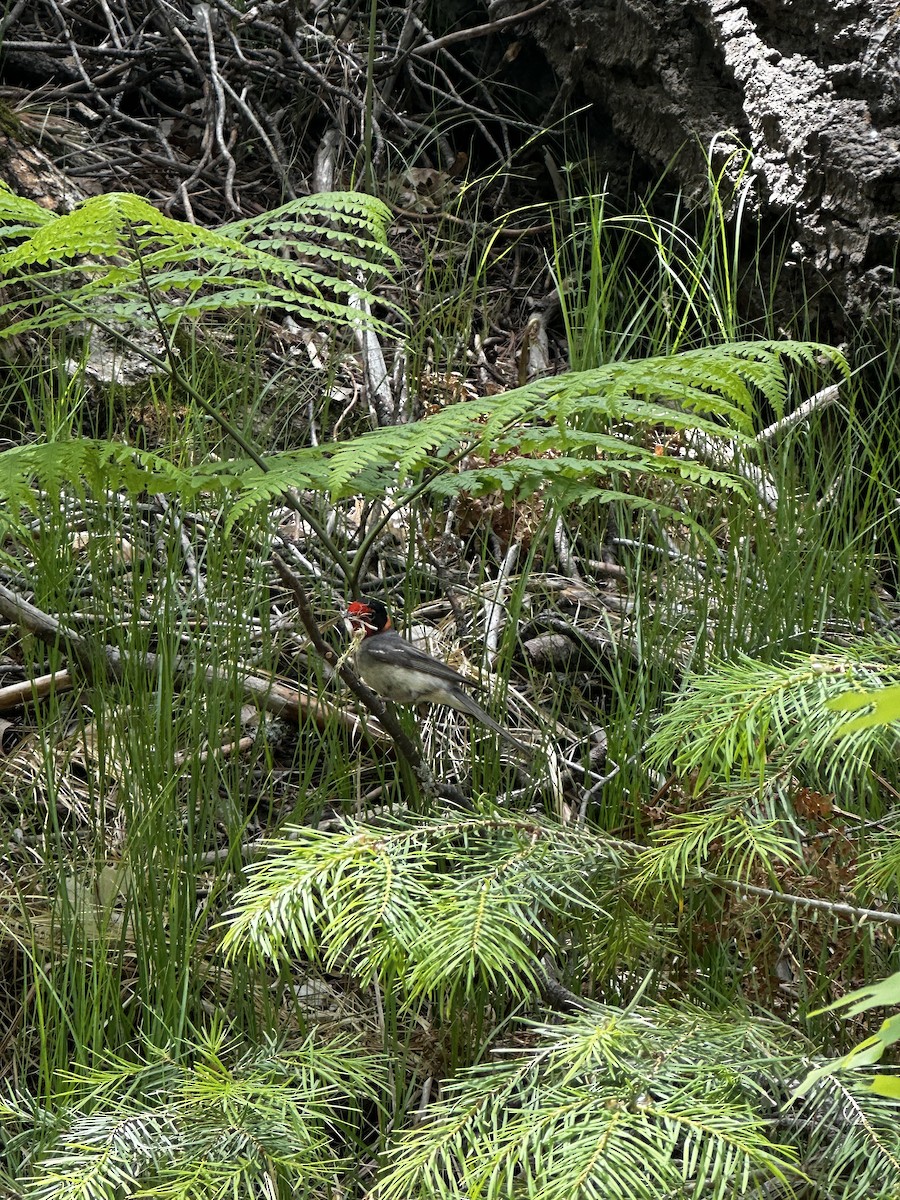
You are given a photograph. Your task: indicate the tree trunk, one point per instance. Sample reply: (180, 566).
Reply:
(810, 88)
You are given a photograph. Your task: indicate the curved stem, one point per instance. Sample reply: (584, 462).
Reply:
(359, 558)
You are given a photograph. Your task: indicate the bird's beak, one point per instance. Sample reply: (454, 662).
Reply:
(353, 623)
(357, 623)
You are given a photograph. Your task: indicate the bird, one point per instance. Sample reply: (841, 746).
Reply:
(400, 671)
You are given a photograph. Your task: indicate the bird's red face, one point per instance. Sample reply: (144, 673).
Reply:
(368, 615)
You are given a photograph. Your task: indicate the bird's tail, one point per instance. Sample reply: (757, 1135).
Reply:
(466, 704)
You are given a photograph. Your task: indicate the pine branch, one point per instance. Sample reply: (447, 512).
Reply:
(210, 1121)
(442, 906)
(608, 1102)
(745, 719)
(879, 915)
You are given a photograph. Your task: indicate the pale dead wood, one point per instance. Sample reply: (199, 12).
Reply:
(16, 694)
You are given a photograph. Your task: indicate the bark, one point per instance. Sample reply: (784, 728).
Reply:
(811, 88)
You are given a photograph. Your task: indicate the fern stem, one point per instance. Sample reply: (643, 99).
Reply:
(365, 546)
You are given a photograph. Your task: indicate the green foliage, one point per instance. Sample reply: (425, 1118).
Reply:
(447, 921)
(733, 834)
(442, 906)
(116, 253)
(885, 705)
(21, 217)
(117, 259)
(659, 1101)
(746, 718)
(268, 1121)
(635, 1103)
(743, 736)
(568, 434)
(94, 464)
(884, 993)
(668, 276)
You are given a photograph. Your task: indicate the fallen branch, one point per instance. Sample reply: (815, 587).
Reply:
(17, 694)
(815, 403)
(478, 31)
(270, 695)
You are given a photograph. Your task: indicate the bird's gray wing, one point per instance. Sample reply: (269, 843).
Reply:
(397, 652)
(394, 651)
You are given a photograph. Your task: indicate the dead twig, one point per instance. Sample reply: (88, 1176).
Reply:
(479, 31)
(563, 548)
(837, 908)
(815, 403)
(496, 609)
(878, 915)
(201, 11)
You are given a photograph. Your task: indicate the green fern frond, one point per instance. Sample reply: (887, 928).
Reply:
(569, 412)
(715, 380)
(97, 227)
(18, 216)
(96, 463)
(104, 256)
(366, 221)
(571, 435)
(576, 481)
